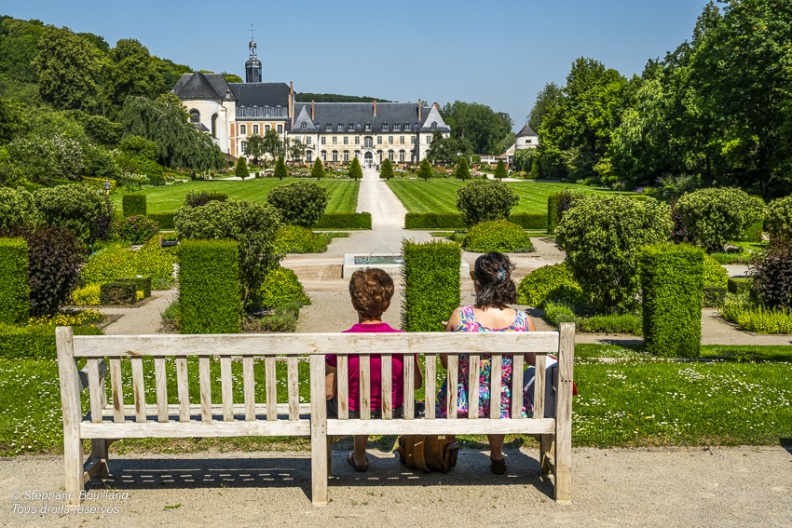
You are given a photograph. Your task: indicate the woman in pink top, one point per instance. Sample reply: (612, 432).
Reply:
(371, 291)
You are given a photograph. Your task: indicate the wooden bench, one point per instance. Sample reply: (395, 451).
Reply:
(109, 418)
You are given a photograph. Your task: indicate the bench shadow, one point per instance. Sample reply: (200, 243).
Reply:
(289, 472)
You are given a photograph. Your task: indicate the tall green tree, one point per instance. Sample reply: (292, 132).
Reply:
(479, 125)
(317, 171)
(255, 147)
(280, 168)
(241, 169)
(355, 171)
(462, 170)
(272, 144)
(425, 170)
(130, 71)
(500, 170)
(545, 98)
(386, 171)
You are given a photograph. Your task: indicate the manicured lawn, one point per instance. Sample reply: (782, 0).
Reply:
(343, 193)
(439, 196)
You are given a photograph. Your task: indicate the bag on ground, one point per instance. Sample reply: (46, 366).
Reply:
(428, 452)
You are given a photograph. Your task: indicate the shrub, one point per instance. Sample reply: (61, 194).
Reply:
(133, 204)
(14, 287)
(425, 170)
(280, 168)
(36, 342)
(75, 207)
(431, 284)
(386, 171)
(714, 296)
(779, 217)
(163, 220)
(17, 210)
(711, 217)
(772, 274)
(755, 318)
(558, 204)
(142, 284)
(280, 287)
(550, 283)
(498, 235)
(740, 285)
(135, 229)
(111, 264)
(355, 171)
(557, 313)
(483, 201)
(89, 295)
(55, 257)
(529, 220)
(241, 169)
(672, 285)
(253, 225)
(296, 239)
(344, 221)
(601, 236)
(301, 203)
(462, 170)
(118, 292)
(199, 198)
(500, 170)
(627, 323)
(210, 296)
(714, 273)
(433, 221)
(317, 171)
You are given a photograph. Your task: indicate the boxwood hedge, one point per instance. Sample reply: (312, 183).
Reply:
(431, 284)
(14, 287)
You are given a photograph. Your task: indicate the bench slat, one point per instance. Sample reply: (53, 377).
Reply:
(194, 411)
(138, 388)
(194, 429)
(94, 388)
(386, 384)
(496, 385)
(117, 389)
(452, 384)
(540, 378)
(249, 381)
(409, 387)
(183, 388)
(459, 426)
(474, 366)
(272, 386)
(518, 367)
(226, 387)
(205, 380)
(293, 385)
(563, 431)
(430, 382)
(364, 405)
(160, 378)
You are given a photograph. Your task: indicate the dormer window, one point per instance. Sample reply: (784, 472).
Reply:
(434, 125)
(350, 127)
(384, 127)
(328, 127)
(396, 127)
(340, 127)
(303, 125)
(266, 110)
(368, 127)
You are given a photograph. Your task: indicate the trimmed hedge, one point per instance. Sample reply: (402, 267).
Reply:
(118, 292)
(34, 342)
(529, 220)
(431, 284)
(550, 284)
(210, 292)
(98, 183)
(433, 221)
(672, 284)
(297, 239)
(14, 287)
(134, 204)
(142, 284)
(714, 296)
(281, 286)
(497, 235)
(740, 285)
(344, 221)
(164, 220)
(552, 211)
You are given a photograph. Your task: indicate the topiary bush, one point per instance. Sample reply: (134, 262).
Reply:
(14, 287)
(711, 217)
(317, 170)
(779, 217)
(771, 272)
(714, 273)
(280, 168)
(296, 239)
(431, 284)
(252, 224)
(355, 170)
(75, 207)
(500, 170)
(241, 169)
(344, 220)
(483, 201)
(433, 221)
(601, 236)
(17, 210)
(386, 171)
(210, 294)
(199, 198)
(281, 286)
(55, 258)
(111, 264)
(425, 170)
(672, 288)
(498, 235)
(550, 283)
(118, 292)
(133, 204)
(135, 229)
(301, 203)
(462, 170)
(557, 204)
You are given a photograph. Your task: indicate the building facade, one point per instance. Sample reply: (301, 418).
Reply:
(335, 132)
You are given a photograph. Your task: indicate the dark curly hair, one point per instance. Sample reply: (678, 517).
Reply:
(492, 272)
(371, 291)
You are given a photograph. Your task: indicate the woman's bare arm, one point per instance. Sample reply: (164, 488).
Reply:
(418, 375)
(330, 381)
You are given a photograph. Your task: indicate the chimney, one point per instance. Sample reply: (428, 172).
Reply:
(291, 102)
(313, 115)
(419, 109)
(375, 108)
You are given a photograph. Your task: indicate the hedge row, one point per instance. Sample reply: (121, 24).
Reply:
(672, 283)
(433, 221)
(529, 220)
(14, 287)
(431, 279)
(98, 183)
(552, 211)
(35, 342)
(164, 220)
(344, 221)
(118, 292)
(133, 204)
(210, 294)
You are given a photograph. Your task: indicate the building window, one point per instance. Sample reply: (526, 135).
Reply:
(324, 140)
(308, 156)
(303, 125)
(308, 140)
(328, 127)
(350, 127)
(396, 127)
(412, 140)
(346, 140)
(368, 141)
(335, 140)
(379, 140)
(390, 139)
(324, 155)
(384, 127)
(368, 127)
(390, 155)
(243, 130)
(243, 146)
(340, 127)
(346, 155)
(401, 156)
(357, 140)
(255, 130)
(195, 116)
(401, 140)
(335, 155)
(267, 128)
(241, 111)
(434, 125)
(214, 126)
(428, 139)
(280, 129)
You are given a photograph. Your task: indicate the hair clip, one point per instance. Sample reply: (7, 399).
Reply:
(501, 275)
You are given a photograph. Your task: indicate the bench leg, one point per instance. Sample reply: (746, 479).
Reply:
(563, 467)
(320, 465)
(73, 466)
(99, 456)
(545, 449)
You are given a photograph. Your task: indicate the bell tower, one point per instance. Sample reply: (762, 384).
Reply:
(253, 72)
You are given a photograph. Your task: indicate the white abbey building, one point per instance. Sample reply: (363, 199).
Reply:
(336, 132)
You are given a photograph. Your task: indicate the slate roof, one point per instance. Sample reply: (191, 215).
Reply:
(526, 131)
(197, 85)
(361, 114)
(261, 94)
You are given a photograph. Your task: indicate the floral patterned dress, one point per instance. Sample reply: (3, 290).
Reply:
(468, 323)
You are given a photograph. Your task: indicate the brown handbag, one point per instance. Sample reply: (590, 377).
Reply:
(428, 452)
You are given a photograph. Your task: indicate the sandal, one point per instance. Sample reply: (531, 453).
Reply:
(358, 468)
(498, 467)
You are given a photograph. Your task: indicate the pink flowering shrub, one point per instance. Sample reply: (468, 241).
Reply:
(136, 229)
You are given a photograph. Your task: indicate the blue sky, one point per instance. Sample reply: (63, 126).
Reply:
(500, 53)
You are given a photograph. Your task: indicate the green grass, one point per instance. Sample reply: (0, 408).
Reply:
(343, 193)
(439, 196)
(741, 257)
(725, 353)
